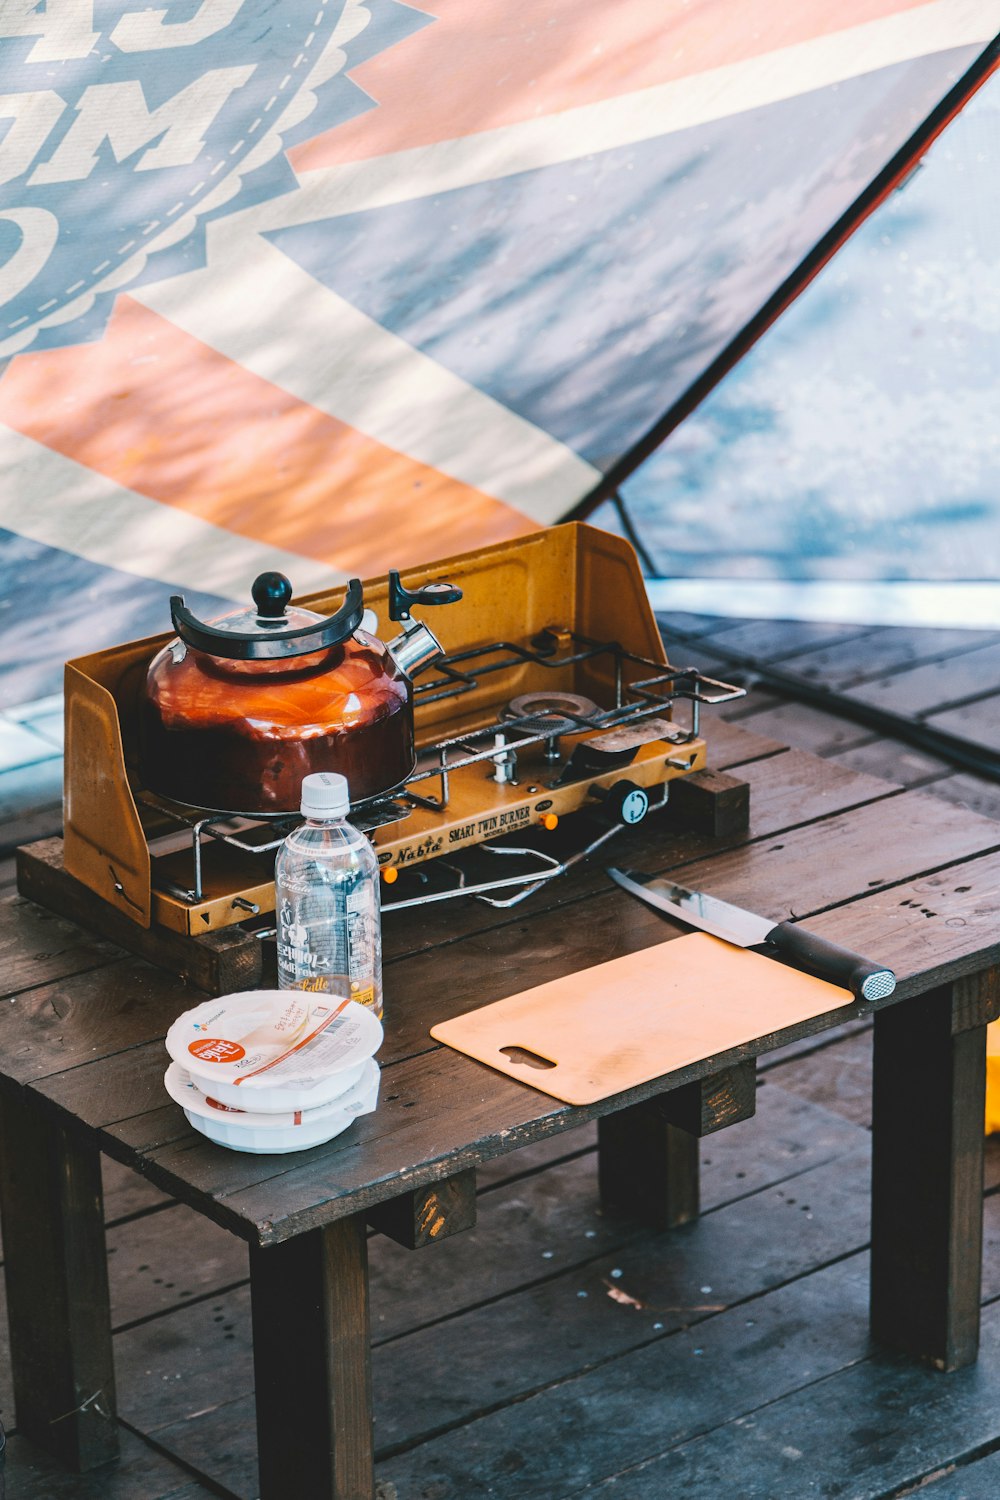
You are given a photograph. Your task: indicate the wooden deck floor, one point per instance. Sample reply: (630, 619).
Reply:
(729, 1358)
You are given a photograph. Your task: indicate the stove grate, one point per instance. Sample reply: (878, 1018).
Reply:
(460, 672)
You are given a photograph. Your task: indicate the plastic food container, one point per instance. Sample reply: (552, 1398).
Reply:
(275, 1051)
(243, 1130)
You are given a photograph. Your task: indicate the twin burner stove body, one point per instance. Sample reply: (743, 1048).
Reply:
(554, 697)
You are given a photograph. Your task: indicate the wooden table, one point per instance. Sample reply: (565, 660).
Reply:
(911, 881)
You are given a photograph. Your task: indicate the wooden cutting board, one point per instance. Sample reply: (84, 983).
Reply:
(619, 1024)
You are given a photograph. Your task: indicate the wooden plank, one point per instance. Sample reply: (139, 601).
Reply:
(888, 649)
(711, 1375)
(978, 721)
(103, 1012)
(126, 1193)
(312, 1366)
(163, 1260)
(802, 1439)
(218, 962)
(37, 947)
(57, 1287)
(730, 745)
(971, 792)
(448, 1372)
(611, 927)
(936, 685)
(927, 1178)
(428, 1215)
(843, 856)
(6, 1374)
(551, 1224)
(140, 1473)
(773, 640)
(528, 1161)
(972, 1478)
(686, 626)
(838, 1078)
(926, 926)
(528, 1232)
(623, 1416)
(801, 726)
(897, 762)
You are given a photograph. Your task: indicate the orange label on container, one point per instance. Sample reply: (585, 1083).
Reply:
(216, 1049)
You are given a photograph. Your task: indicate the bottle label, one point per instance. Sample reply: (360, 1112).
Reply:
(329, 939)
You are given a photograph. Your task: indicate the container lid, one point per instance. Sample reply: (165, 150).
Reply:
(267, 1039)
(184, 1090)
(325, 794)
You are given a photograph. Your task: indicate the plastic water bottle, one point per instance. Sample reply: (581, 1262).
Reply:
(327, 900)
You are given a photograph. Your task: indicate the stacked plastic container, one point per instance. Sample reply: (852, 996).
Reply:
(274, 1070)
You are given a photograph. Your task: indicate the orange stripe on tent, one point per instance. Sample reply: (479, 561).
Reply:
(495, 62)
(159, 412)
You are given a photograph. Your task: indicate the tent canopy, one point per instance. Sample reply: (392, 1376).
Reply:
(385, 282)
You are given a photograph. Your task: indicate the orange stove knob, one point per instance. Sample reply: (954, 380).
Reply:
(390, 875)
(550, 821)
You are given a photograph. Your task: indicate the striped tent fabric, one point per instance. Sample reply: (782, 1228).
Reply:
(333, 286)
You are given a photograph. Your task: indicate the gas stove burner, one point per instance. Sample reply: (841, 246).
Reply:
(550, 712)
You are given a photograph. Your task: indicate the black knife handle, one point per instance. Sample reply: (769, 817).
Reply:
(826, 960)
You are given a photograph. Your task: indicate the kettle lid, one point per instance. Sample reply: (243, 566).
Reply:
(268, 630)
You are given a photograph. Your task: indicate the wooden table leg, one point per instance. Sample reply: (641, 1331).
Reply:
(312, 1365)
(57, 1286)
(647, 1155)
(646, 1167)
(927, 1172)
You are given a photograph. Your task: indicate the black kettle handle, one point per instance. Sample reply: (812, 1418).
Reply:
(271, 592)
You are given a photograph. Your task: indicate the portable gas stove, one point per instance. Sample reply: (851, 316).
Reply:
(553, 697)
(546, 754)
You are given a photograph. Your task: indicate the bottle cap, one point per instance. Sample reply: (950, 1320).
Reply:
(325, 795)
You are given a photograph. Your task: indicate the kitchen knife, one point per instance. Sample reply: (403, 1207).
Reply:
(800, 947)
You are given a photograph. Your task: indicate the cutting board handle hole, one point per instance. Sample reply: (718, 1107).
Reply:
(526, 1058)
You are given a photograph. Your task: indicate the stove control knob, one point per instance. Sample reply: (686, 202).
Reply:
(624, 802)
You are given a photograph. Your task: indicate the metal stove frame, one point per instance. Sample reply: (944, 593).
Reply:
(455, 674)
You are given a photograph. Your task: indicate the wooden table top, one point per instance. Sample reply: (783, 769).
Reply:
(908, 880)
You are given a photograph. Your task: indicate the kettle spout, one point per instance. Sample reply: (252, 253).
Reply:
(415, 649)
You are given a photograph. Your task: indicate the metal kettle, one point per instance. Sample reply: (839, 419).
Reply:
(237, 710)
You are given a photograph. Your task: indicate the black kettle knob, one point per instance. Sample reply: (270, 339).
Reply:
(401, 600)
(271, 593)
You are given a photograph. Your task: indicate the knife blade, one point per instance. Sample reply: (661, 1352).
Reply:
(802, 948)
